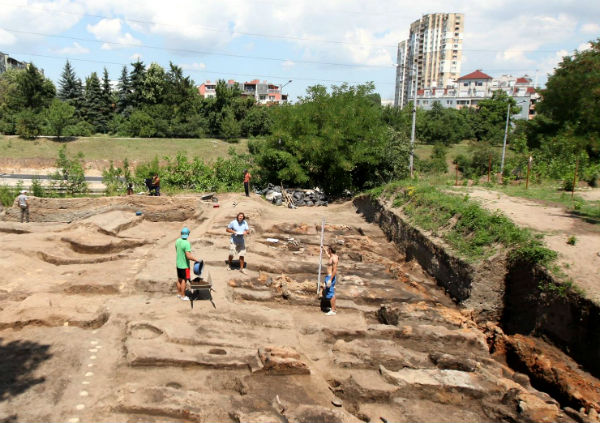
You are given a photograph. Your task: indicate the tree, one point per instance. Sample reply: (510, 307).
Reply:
(107, 98)
(93, 103)
(68, 89)
(571, 97)
(34, 91)
(337, 140)
(153, 86)
(136, 78)
(230, 128)
(490, 120)
(123, 92)
(58, 116)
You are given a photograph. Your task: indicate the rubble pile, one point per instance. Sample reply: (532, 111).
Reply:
(293, 197)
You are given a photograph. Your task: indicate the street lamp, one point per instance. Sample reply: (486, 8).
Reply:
(506, 133)
(281, 87)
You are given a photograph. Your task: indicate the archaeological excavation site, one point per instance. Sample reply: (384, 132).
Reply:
(91, 329)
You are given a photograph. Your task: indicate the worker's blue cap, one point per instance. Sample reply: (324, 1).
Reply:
(185, 232)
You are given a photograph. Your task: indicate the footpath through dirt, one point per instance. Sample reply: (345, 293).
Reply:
(91, 328)
(580, 262)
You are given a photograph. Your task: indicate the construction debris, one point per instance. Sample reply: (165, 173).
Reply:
(293, 197)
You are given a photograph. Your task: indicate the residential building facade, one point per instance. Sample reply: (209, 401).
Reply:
(7, 62)
(262, 91)
(432, 55)
(470, 89)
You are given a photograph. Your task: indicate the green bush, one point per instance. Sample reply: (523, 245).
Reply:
(80, 129)
(28, 124)
(37, 189)
(69, 176)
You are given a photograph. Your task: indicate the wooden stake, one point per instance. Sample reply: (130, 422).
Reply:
(320, 257)
(456, 168)
(528, 170)
(489, 166)
(575, 177)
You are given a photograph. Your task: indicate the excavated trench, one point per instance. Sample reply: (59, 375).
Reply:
(510, 304)
(400, 348)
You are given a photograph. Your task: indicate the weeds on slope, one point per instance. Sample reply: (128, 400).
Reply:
(472, 231)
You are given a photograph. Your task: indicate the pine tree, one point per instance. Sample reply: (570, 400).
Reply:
(68, 84)
(107, 97)
(123, 92)
(93, 103)
(137, 77)
(78, 100)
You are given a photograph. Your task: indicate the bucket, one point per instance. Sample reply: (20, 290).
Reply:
(198, 266)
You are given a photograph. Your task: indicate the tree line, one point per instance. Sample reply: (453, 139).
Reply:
(146, 102)
(339, 138)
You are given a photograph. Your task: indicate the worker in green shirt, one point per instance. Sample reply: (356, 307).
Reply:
(183, 248)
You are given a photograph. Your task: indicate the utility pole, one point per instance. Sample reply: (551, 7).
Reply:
(414, 111)
(504, 142)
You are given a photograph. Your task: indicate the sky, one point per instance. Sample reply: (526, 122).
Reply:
(307, 42)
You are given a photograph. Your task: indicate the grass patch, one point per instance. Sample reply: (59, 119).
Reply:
(109, 148)
(472, 231)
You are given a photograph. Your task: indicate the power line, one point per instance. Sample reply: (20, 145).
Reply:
(287, 77)
(201, 52)
(260, 35)
(206, 28)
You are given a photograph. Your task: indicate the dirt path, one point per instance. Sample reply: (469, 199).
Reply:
(581, 262)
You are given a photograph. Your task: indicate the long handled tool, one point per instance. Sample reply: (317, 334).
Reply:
(320, 257)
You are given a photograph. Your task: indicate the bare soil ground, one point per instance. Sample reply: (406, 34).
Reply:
(581, 262)
(91, 329)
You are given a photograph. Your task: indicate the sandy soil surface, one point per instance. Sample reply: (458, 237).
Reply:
(91, 329)
(581, 262)
(35, 166)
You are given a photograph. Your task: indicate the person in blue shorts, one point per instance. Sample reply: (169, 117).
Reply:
(331, 278)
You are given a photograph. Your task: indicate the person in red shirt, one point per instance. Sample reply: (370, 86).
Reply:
(247, 177)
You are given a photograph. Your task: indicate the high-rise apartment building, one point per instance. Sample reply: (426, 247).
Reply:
(432, 55)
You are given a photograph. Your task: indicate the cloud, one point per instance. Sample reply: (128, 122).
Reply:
(584, 47)
(136, 56)
(193, 66)
(288, 64)
(549, 64)
(591, 28)
(20, 19)
(109, 31)
(75, 49)
(6, 38)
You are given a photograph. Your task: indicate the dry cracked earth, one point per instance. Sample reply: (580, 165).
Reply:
(91, 328)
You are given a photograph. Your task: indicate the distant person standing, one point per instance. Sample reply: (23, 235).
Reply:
(237, 245)
(156, 184)
(183, 250)
(23, 202)
(247, 178)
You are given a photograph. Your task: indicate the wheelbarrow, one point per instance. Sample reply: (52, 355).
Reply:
(200, 288)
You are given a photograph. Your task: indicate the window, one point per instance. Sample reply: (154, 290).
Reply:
(466, 84)
(479, 84)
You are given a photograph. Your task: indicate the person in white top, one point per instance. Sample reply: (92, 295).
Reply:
(237, 246)
(23, 202)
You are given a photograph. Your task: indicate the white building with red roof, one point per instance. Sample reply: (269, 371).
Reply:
(263, 92)
(470, 89)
